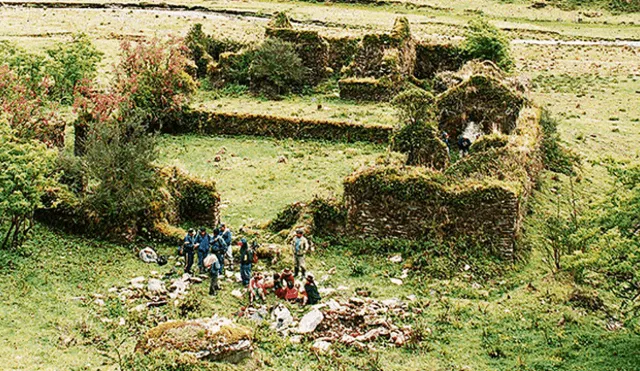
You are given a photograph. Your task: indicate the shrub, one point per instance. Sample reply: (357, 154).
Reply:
(120, 176)
(421, 144)
(286, 218)
(276, 69)
(27, 170)
(153, 78)
(29, 68)
(557, 157)
(70, 64)
(415, 105)
(27, 112)
(486, 42)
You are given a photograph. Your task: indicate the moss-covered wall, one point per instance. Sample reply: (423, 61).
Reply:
(216, 123)
(434, 58)
(483, 100)
(482, 197)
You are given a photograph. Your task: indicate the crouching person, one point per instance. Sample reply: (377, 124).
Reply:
(212, 265)
(311, 294)
(256, 288)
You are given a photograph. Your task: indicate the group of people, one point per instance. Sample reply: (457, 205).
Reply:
(464, 143)
(214, 253)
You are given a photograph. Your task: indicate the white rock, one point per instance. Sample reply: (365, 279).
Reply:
(122, 322)
(138, 282)
(405, 273)
(467, 267)
(140, 308)
(156, 286)
(282, 317)
(411, 297)
(334, 305)
(396, 281)
(396, 259)
(392, 303)
(296, 339)
(347, 339)
(321, 346)
(237, 294)
(310, 321)
(343, 288)
(99, 302)
(325, 291)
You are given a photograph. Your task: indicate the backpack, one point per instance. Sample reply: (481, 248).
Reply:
(162, 260)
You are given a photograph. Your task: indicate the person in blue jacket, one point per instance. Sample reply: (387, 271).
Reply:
(219, 247)
(246, 260)
(187, 249)
(203, 244)
(227, 237)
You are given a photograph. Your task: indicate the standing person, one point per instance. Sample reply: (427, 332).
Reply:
(219, 247)
(187, 249)
(246, 259)
(445, 139)
(463, 145)
(213, 267)
(300, 247)
(311, 294)
(203, 244)
(227, 237)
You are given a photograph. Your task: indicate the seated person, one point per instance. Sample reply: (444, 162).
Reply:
(291, 291)
(311, 294)
(278, 287)
(256, 288)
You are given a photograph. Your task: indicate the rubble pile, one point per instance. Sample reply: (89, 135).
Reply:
(360, 321)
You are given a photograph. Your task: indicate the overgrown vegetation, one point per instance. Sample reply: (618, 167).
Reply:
(486, 42)
(276, 69)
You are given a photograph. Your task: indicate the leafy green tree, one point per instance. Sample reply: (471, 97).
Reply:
(486, 42)
(27, 171)
(277, 69)
(120, 177)
(71, 63)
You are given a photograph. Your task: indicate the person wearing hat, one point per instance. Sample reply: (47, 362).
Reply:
(227, 237)
(219, 247)
(212, 265)
(203, 244)
(256, 288)
(187, 249)
(246, 259)
(311, 294)
(300, 247)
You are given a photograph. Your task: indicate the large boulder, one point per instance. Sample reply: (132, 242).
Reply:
(212, 339)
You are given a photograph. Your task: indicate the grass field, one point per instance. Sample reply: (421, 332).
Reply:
(253, 184)
(521, 320)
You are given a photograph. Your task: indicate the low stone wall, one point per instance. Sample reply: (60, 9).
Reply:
(434, 58)
(219, 123)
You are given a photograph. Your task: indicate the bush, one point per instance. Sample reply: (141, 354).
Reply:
(27, 112)
(486, 42)
(276, 69)
(70, 64)
(152, 77)
(557, 157)
(27, 170)
(421, 144)
(415, 105)
(29, 68)
(120, 176)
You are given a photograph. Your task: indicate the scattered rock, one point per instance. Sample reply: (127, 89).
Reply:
(99, 302)
(138, 282)
(217, 158)
(281, 317)
(396, 259)
(237, 294)
(282, 160)
(296, 339)
(321, 346)
(156, 286)
(310, 321)
(147, 255)
(396, 281)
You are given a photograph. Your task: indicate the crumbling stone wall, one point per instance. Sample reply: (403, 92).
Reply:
(434, 58)
(481, 197)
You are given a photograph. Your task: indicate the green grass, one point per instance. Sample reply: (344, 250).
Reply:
(303, 107)
(253, 185)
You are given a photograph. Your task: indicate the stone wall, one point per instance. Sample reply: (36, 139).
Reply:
(480, 198)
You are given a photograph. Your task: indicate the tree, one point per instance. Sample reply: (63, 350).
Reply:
(152, 77)
(71, 63)
(120, 177)
(414, 106)
(28, 169)
(486, 42)
(276, 69)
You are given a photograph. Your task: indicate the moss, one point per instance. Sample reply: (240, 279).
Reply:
(486, 142)
(401, 30)
(421, 142)
(367, 89)
(190, 336)
(434, 58)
